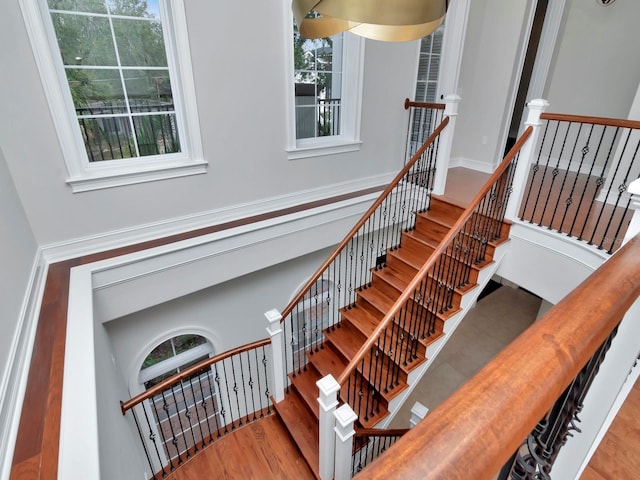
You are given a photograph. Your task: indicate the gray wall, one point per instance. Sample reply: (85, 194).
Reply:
(230, 314)
(494, 31)
(17, 251)
(240, 80)
(596, 69)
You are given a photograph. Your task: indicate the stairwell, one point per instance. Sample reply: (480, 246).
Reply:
(300, 411)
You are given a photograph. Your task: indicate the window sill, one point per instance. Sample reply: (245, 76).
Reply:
(116, 176)
(317, 150)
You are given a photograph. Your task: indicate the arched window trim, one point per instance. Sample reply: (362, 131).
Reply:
(175, 362)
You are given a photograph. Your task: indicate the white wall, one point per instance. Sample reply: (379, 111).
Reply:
(18, 250)
(240, 80)
(230, 314)
(491, 46)
(20, 281)
(595, 69)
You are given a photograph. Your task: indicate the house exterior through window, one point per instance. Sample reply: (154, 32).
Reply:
(118, 80)
(326, 94)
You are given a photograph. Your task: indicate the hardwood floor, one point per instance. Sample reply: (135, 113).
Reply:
(36, 448)
(617, 455)
(262, 449)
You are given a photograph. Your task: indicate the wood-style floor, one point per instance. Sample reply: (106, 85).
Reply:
(36, 449)
(618, 455)
(262, 449)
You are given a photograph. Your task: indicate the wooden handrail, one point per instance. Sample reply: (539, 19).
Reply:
(436, 106)
(612, 122)
(380, 432)
(207, 362)
(442, 247)
(312, 280)
(474, 432)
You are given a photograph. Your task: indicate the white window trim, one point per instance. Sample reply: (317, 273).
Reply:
(83, 176)
(174, 362)
(352, 70)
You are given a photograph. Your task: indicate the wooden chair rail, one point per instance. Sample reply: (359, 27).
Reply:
(169, 382)
(312, 280)
(474, 432)
(440, 250)
(612, 122)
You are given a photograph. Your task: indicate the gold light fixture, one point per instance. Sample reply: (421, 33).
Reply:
(386, 20)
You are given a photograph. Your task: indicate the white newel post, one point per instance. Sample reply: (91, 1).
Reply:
(328, 401)
(275, 332)
(418, 412)
(345, 418)
(445, 144)
(536, 108)
(634, 226)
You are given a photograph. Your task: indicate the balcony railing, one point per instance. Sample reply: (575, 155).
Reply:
(578, 182)
(112, 131)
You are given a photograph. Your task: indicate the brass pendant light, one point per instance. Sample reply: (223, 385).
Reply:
(386, 20)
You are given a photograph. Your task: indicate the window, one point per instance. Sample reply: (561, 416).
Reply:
(118, 81)
(311, 316)
(173, 356)
(423, 121)
(325, 95)
(174, 404)
(318, 85)
(429, 66)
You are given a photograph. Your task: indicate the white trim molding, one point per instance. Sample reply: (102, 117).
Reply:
(94, 287)
(57, 252)
(14, 380)
(83, 175)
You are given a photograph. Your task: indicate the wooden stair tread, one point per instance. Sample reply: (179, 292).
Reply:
(328, 361)
(398, 279)
(303, 428)
(346, 340)
(377, 298)
(305, 384)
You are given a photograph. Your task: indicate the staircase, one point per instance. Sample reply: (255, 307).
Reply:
(299, 409)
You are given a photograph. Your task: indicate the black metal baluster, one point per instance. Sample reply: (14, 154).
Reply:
(235, 390)
(554, 174)
(266, 380)
(187, 414)
(182, 429)
(586, 184)
(534, 171)
(152, 437)
(544, 174)
(204, 406)
(621, 189)
(223, 412)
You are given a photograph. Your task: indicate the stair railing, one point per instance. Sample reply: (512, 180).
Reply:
(370, 443)
(188, 411)
(533, 390)
(376, 367)
(335, 284)
(578, 183)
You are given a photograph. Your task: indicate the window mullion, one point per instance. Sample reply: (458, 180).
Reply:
(122, 82)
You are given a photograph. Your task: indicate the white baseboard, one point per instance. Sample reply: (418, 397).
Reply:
(141, 233)
(14, 379)
(471, 164)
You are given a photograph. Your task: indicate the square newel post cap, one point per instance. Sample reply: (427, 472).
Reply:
(273, 317)
(536, 107)
(345, 415)
(328, 391)
(419, 410)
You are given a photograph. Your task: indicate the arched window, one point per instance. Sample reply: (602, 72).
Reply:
(173, 356)
(172, 406)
